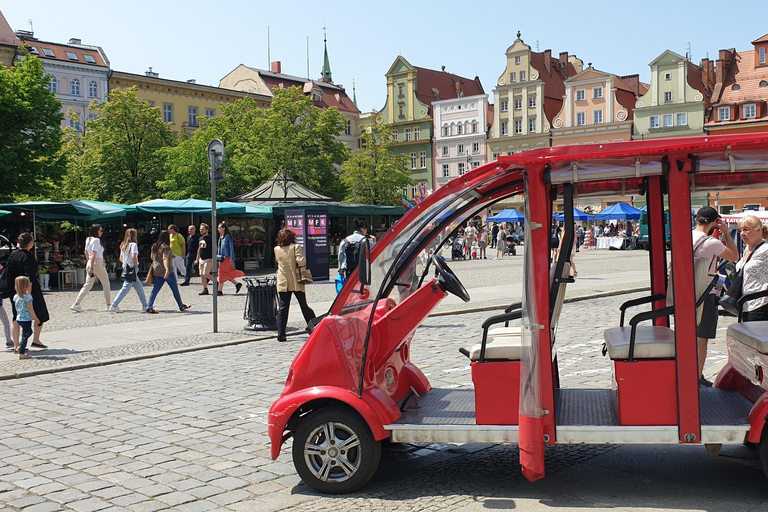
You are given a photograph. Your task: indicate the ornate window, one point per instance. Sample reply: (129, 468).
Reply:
(93, 89)
(74, 87)
(54, 84)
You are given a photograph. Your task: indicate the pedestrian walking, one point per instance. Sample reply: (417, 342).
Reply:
(349, 249)
(501, 242)
(289, 257)
(190, 260)
(204, 259)
(163, 272)
(470, 233)
(754, 265)
(22, 262)
(482, 242)
(129, 257)
(95, 268)
(23, 302)
(554, 239)
(6, 321)
(178, 249)
(494, 234)
(226, 259)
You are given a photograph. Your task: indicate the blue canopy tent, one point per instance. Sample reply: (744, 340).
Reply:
(619, 211)
(201, 207)
(508, 215)
(578, 216)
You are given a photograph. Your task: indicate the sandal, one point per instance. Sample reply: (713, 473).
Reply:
(184, 307)
(152, 311)
(39, 345)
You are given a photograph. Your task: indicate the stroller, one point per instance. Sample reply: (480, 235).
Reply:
(511, 245)
(457, 248)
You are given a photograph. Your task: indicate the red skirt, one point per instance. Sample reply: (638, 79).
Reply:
(227, 271)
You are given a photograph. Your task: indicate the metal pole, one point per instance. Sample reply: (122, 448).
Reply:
(216, 256)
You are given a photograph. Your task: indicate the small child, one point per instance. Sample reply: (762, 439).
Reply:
(24, 312)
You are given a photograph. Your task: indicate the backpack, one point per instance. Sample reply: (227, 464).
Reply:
(352, 252)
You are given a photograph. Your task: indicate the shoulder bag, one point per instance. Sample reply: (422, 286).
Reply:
(730, 299)
(303, 274)
(700, 278)
(129, 274)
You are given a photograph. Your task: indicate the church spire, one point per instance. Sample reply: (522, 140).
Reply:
(354, 92)
(326, 74)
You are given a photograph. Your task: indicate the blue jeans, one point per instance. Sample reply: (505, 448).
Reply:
(159, 282)
(26, 332)
(190, 264)
(127, 285)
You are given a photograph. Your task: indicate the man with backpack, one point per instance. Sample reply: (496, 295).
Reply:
(349, 250)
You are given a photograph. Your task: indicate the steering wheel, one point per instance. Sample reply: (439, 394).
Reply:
(448, 281)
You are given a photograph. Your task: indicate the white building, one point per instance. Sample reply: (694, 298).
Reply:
(460, 128)
(79, 73)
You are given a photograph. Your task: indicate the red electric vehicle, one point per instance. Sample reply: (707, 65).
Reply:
(353, 385)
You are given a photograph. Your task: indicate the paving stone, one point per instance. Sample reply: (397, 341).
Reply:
(154, 490)
(26, 501)
(44, 507)
(89, 505)
(198, 506)
(229, 483)
(205, 491)
(230, 497)
(176, 498)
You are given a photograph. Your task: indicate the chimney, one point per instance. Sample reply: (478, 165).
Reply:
(25, 33)
(723, 65)
(563, 59)
(276, 67)
(151, 73)
(75, 40)
(548, 61)
(633, 82)
(706, 74)
(191, 81)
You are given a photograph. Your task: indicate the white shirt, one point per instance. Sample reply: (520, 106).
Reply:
(93, 245)
(755, 276)
(128, 254)
(469, 232)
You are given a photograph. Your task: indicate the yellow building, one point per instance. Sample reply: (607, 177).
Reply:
(9, 44)
(182, 104)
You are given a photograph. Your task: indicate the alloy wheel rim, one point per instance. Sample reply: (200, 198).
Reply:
(332, 452)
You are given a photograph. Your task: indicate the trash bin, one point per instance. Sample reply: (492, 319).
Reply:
(261, 304)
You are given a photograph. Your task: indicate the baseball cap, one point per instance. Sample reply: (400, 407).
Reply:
(707, 215)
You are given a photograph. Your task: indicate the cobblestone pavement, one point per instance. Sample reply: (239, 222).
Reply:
(189, 432)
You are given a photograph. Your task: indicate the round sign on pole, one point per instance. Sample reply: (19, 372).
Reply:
(216, 153)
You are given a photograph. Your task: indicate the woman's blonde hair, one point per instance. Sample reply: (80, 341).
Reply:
(22, 284)
(131, 237)
(754, 223)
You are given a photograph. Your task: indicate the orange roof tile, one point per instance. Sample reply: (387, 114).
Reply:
(695, 79)
(59, 52)
(7, 36)
(761, 40)
(429, 82)
(746, 78)
(333, 95)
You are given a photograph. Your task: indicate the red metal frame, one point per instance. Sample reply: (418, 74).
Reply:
(656, 239)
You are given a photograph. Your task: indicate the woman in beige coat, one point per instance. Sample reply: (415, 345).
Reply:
(289, 257)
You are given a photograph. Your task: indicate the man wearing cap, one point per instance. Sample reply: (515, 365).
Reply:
(706, 246)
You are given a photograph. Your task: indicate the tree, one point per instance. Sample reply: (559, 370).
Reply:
(373, 174)
(30, 131)
(118, 158)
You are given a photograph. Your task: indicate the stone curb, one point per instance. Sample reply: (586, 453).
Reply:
(220, 344)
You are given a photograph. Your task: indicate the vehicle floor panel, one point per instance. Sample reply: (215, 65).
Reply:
(441, 407)
(584, 407)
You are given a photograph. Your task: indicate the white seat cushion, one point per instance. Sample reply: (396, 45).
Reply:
(651, 342)
(512, 330)
(752, 334)
(507, 348)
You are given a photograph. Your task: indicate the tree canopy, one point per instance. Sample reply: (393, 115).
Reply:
(30, 132)
(374, 175)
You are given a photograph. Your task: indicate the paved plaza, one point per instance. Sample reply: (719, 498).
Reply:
(162, 414)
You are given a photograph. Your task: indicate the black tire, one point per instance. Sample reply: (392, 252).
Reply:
(351, 468)
(762, 451)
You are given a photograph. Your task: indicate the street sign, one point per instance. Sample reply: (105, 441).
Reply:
(216, 159)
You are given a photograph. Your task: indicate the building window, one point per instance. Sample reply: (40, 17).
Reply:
(504, 129)
(750, 111)
(597, 93)
(462, 168)
(192, 116)
(423, 159)
(598, 116)
(407, 135)
(518, 104)
(724, 114)
(414, 190)
(416, 134)
(581, 118)
(654, 121)
(445, 150)
(401, 110)
(682, 119)
(581, 95)
(446, 131)
(74, 87)
(89, 58)
(54, 84)
(167, 113)
(71, 55)
(48, 52)
(446, 171)
(475, 165)
(667, 76)
(475, 147)
(532, 102)
(522, 76)
(532, 125)
(518, 127)
(517, 60)
(348, 129)
(504, 106)
(401, 90)
(513, 77)
(667, 120)
(93, 89)
(459, 129)
(474, 127)
(460, 149)
(209, 113)
(667, 96)
(413, 160)
(394, 135)
(761, 55)
(73, 124)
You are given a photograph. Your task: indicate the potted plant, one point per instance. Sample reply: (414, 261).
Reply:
(44, 277)
(46, 248)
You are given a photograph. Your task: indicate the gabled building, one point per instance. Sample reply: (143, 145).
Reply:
(597, 107)
(79, 73)
(411, 92)
(182, 104)
(460, 131)
(9, 43)
(676, 102)
(527, 97)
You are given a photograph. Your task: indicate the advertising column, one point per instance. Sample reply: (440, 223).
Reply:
(311, 228)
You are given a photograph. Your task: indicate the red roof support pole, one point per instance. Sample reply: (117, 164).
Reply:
(656, 240)
(685, 301)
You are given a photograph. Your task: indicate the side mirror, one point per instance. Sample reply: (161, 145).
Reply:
(364, 265)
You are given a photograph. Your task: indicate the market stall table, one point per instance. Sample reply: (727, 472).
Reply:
(606, 242)
(63, 281)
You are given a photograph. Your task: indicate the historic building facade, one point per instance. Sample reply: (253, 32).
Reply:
(181, 104)
(527, 97)
(676, 101)
(9, 43)
(79, 74)
(460, 128)
(411, 92)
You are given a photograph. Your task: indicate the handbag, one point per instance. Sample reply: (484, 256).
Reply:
(150, 275)
(129, 274)
(730, 299)
(303, 274)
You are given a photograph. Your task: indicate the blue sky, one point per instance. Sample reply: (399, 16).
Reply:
(206, 40)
